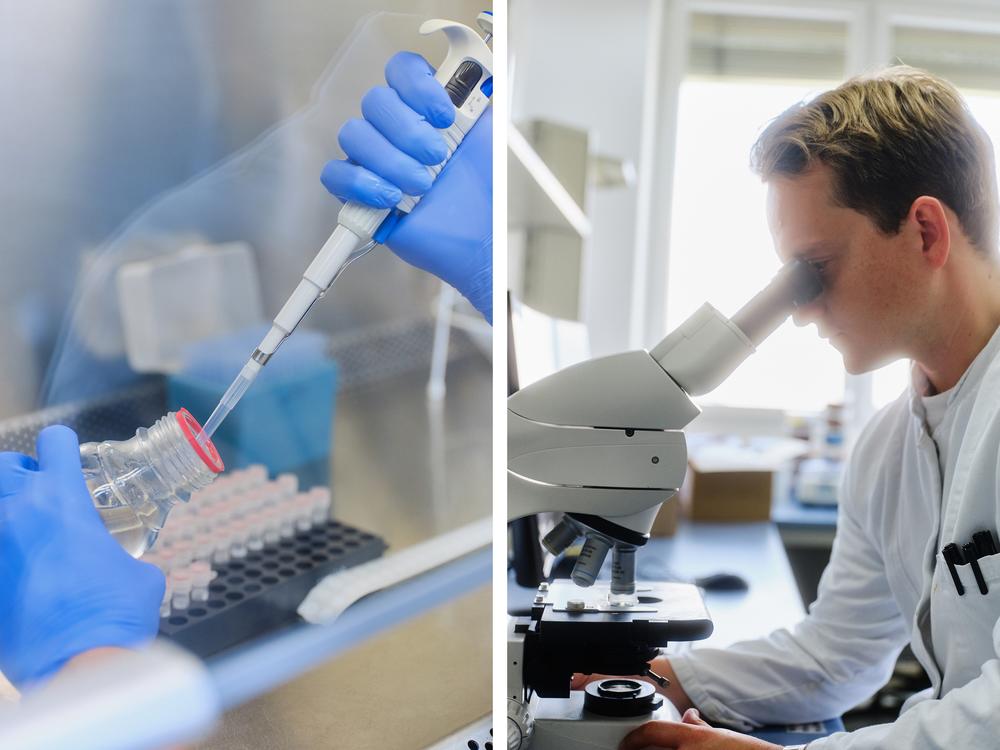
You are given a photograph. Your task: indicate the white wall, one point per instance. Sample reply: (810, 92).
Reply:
(584, 64)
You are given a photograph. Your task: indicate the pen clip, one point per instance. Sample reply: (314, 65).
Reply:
(985, 546)
(953, 556)
(972, 558)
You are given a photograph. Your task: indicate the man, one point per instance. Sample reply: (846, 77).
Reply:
(887, 185)
(68, 591)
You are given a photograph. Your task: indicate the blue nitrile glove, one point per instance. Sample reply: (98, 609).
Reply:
(450, 232)
(66, 585)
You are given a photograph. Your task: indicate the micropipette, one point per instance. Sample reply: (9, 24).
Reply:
(467, 77)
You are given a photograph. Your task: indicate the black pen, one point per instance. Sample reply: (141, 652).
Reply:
(985, 545)
(953, 556)
(971, 557)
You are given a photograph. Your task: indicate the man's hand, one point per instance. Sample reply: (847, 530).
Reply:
(66, 585)
(691, 733)
(672, 692)
(450, 232)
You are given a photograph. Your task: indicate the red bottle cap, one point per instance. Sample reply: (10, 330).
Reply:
(201, 443)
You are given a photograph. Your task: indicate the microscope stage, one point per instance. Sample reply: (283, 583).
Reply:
(575, 630)
(668, 611)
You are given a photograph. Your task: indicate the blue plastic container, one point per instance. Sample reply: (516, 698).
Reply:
(284, 421)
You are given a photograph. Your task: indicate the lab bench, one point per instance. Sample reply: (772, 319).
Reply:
(751, 550)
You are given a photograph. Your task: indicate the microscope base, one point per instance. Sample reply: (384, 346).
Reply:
(563, 724)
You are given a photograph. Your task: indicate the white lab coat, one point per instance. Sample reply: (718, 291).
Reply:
(887, 583)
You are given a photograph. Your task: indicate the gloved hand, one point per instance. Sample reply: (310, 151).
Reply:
(66, 585)
(450, 232)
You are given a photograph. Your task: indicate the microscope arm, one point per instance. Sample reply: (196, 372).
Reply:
(603, 437)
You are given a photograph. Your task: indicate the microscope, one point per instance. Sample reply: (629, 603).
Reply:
(601, 443)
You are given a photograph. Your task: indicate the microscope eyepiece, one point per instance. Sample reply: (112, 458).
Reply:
(797, 283)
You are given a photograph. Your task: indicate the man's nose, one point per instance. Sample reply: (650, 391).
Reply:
(808, 313)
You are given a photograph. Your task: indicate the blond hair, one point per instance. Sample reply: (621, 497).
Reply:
(889, 138)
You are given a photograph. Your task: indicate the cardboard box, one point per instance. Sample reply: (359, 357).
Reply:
(729, 494)
(730, 479)
(667, 519)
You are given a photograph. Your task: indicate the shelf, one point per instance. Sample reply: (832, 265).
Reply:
(535, 197)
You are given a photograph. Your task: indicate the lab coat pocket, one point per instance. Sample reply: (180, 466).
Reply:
(969, 619)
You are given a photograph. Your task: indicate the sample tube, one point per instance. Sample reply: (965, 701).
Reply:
(183, 553)
(181, 581)
(201, 576)
(271, 525)
(238, 549)
(222, 544)
(168, 593)
(256, 475)
(203, 547)
(321, 504)
(286, 519)
(255, 537)
(288, 484)
(303, 512)
(166, 560)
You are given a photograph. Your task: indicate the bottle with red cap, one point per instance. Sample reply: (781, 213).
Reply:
(136, 482)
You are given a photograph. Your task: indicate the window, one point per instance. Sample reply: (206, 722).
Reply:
(742, 72)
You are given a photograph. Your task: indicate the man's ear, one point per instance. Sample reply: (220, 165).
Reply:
(930, 218)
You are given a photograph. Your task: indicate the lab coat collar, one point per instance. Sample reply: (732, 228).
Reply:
(920, 386)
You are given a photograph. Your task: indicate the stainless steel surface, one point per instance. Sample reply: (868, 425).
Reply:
(406, 470)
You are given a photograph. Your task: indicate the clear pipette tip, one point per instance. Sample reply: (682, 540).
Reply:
(232, 396)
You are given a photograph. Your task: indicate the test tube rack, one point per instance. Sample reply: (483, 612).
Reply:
(241, 555)
(258, 594)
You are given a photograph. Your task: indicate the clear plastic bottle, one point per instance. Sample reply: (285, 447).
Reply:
(136, 482)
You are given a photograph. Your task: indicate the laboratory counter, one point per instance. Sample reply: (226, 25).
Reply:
(407, 470)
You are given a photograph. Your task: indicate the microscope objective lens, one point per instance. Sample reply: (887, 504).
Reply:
(561, 536)
(588, 566)
(623, 570)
